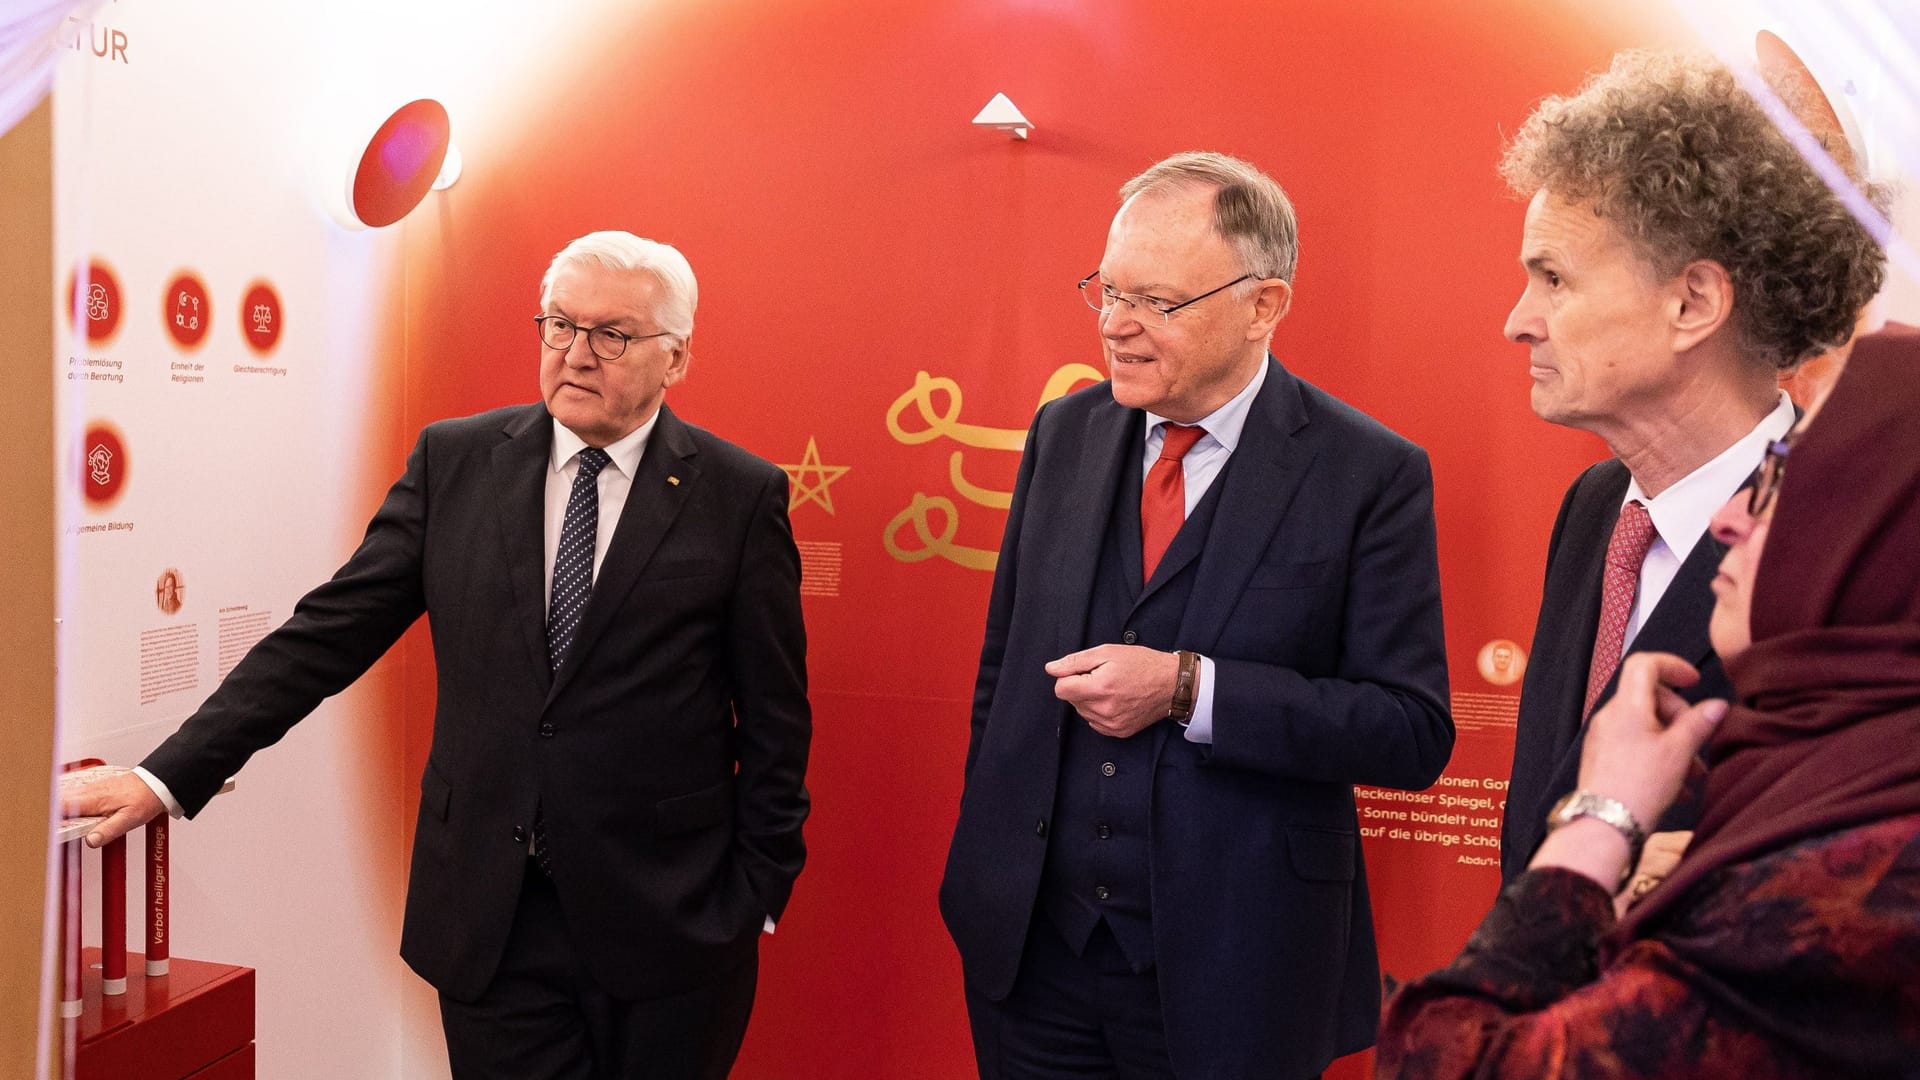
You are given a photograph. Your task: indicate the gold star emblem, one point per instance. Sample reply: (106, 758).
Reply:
(810, 480)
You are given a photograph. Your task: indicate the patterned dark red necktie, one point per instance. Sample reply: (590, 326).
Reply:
(1633, 534)
(1163, 499)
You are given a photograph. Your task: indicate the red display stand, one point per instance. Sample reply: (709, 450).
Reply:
(178, 1018)
(195, 1021)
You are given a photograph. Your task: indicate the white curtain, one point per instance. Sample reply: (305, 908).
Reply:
(34, 35)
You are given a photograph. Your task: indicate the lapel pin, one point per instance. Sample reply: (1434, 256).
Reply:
(674, 480)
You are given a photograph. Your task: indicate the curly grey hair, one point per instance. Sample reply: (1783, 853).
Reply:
(1674, 153)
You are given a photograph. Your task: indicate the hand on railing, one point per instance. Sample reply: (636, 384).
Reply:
(121, 800)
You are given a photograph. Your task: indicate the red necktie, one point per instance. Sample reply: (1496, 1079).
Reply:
(1632, 535)
(1163, 501)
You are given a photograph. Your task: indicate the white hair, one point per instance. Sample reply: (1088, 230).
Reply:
(616, 250)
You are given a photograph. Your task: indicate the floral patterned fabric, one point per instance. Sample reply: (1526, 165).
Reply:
(1804, 962)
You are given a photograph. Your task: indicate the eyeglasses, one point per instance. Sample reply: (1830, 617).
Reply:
(1102, 298)
(1766, 479)
(557, 332)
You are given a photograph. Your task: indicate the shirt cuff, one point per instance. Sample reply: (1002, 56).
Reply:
(768, 928)
(1200, 725)
(160, 792)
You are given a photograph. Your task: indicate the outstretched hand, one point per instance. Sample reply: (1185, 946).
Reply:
(1120, 690)
(124, 800)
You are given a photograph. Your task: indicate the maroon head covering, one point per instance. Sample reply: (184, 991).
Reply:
(1826, 733)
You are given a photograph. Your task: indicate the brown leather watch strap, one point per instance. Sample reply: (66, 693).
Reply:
(1184, 686)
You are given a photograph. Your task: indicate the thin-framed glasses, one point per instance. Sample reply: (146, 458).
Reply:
(558, 331)
(1102, 298)
(1766, 479)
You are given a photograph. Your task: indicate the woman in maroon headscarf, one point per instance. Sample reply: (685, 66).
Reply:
(1786, 943)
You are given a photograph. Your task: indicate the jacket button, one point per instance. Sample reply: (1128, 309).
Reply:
(1107, 769)
(1100, 892)
(1103, 832)
(519, 834)
(1129, 637)
(546, 729)
(1040, 828)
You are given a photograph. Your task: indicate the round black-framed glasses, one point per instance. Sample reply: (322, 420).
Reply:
(558, 332)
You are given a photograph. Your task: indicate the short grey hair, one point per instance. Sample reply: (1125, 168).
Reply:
(616, 250)
(1250, 211)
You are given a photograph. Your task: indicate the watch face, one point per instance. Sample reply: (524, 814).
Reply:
(1581, 804)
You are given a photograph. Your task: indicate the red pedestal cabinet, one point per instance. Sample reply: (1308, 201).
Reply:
(195, 1021)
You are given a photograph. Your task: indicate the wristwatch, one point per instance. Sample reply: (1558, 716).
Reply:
(1184, 687)
(1579, 804)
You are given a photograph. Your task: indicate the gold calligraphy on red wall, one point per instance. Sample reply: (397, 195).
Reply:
(934, 520)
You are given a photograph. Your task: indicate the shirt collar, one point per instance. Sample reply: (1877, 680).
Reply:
(1226, 422)
(1682, 512)
(625, 453)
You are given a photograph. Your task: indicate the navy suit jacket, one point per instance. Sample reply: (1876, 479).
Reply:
(1317, 596)
(667, 756)
(1546, 751)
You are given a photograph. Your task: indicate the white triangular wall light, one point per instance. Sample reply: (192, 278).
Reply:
(1002, 114)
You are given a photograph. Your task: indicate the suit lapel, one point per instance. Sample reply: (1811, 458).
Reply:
(661, 484)
(1594, 521)
(1090, 484)
(1265, 472)
(1547, 744)
(520, 465)
(1591, 527)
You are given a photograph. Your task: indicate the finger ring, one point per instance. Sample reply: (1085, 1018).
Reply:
(1643, 885)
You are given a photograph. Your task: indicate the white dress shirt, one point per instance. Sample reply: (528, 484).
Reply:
(1198, 470)
(1682, 512)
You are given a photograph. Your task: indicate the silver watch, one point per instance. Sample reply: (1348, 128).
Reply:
(1579, 804)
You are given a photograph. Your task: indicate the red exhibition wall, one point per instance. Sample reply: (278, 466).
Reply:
(851, 231)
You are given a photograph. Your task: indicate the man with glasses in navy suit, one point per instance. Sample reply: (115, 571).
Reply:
(1217, 608)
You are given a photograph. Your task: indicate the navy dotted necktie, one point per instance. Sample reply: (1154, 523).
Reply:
(572, 584)
(573, 562)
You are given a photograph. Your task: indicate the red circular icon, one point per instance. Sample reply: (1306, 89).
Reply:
(260, 317)
(184, 307)
(103, 464)
(400, 163)
(93, 297)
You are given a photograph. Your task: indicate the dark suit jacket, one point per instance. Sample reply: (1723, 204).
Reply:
(1546, 750)
(668, 754)
(1317, 596)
